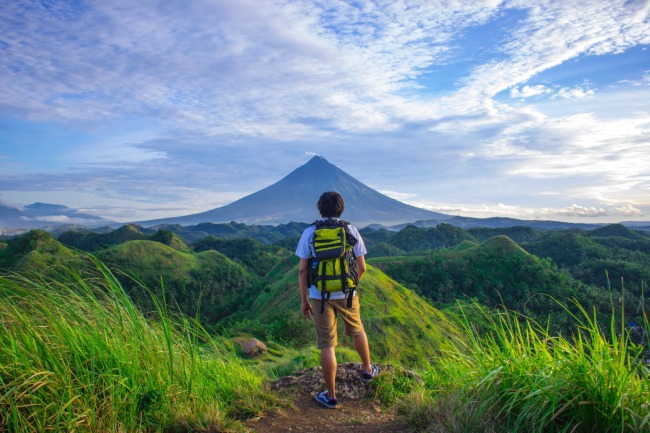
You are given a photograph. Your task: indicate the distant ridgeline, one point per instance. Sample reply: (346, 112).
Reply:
(235, 274)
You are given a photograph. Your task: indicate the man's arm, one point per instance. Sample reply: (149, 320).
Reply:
(303, 284)
(361, 266)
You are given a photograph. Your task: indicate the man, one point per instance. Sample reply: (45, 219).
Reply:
(330, 205)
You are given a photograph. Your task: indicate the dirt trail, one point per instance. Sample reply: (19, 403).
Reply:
(355, 413)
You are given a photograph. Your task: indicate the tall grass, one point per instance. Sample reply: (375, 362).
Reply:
(519, 378)
(77, 355)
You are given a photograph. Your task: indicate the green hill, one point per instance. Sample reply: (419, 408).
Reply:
(92, 241)
(207, 279)
(34, 251)
(258, 257)
(496, 273)
(614, 230)
(233, 230)
(171, 239)
(413, 239)
(400, 325)
(612, 258)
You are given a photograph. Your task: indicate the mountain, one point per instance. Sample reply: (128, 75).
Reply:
(42, 215)
(501, 222)
(294, 198)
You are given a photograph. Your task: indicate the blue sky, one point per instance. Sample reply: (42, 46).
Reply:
(140, 110)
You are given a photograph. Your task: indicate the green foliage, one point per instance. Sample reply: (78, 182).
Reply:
(169, 238)
(206, 284)
(93, 241)
(35, 250)
(610, 252)
(518, 234)
(384, 250)
(413, 239)
(373, 237)
(524, 379)
(498, 272)
(615, 230)
(258, 257)
(394, 385)
(264, 234)
(400, 325)
(76, 355)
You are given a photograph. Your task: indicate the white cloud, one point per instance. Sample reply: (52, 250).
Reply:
(217, 81)
(60, 219)
(627, 210)
(642, 81)
(577, 211)
(528, 91)
(573, 212)
(401, 196)
(555, 32)
(574, 93)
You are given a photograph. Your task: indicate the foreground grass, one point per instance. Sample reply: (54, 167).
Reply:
(76, 355)
(518, 378)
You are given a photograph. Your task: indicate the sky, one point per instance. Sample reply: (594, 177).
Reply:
(149, 109)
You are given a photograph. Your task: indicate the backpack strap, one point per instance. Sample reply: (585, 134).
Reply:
(324, 294)
(349, 297)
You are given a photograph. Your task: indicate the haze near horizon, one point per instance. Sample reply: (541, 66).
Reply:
(137, 111)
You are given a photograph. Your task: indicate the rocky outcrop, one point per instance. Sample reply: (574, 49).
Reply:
(348, 380)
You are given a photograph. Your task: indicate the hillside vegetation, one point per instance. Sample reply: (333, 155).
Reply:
(496, 273)
(76, 355)
(206, 284)
(130, 352)
(400, 324)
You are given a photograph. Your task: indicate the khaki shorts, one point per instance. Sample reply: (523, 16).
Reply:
(326, 322)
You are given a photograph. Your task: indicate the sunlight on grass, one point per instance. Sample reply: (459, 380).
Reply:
(519, 378)
(76, 355)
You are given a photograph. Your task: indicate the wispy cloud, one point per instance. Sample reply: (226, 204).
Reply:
(193, 90)
(575, 93)
(528, 91)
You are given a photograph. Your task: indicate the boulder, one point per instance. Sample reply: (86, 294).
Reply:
(254, 347)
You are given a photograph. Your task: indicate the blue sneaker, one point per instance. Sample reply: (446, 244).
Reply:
(330, 403)
(367, 377)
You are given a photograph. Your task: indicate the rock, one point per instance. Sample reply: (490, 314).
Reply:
(254, 347)
(348, 380)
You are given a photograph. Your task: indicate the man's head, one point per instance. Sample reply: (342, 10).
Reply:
(330, 204)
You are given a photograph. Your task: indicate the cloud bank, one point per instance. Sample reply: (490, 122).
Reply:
(168, 105)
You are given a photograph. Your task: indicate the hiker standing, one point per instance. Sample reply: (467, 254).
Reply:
(332, 261)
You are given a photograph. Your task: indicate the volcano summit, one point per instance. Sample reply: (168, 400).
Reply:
(294, 198)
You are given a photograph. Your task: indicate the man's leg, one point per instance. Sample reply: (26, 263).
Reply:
(328, 364)
(361, 346)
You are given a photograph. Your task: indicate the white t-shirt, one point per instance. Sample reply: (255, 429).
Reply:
(305, 250)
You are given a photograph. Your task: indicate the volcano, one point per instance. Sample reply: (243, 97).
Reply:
(294, 198)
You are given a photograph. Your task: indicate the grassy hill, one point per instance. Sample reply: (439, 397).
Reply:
(258, 257)
(208, 281)
(400, 325)
(35, 251)
(610, 256)
(495, 273)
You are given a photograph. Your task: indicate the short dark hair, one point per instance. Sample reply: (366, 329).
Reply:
(330, 204)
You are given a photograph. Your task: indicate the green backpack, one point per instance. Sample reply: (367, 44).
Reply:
(333, 267)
